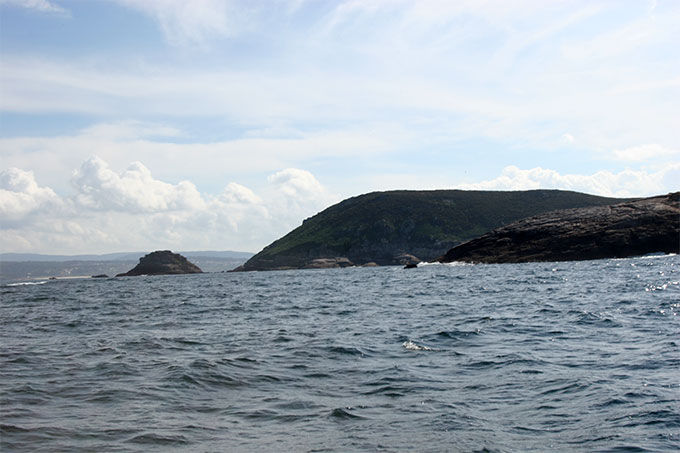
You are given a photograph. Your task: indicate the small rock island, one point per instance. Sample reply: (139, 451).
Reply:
(634, 228)
(162, 262)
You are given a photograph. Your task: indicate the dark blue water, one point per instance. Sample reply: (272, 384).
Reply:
(578, 356)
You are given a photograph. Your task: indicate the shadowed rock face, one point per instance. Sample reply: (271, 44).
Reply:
(627, 229)
(161, 263)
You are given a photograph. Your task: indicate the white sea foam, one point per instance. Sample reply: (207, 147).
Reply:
(649, 256)
(26, 283)
(411, 346)
(451, 264)
(652, 256)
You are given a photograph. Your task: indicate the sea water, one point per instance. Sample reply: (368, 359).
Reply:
(572, 356)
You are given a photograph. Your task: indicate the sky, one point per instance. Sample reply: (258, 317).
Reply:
(222, 125)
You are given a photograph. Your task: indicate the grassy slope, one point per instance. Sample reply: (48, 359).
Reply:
(379, 225)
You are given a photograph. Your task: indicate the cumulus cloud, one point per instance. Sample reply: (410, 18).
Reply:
(20, 195)
(246, 210)
(134, 190)
(296, 183)
(627, 183)
(113, 210)
(296, 194)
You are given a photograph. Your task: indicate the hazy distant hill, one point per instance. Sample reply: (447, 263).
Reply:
(121, 256)
(379, 226)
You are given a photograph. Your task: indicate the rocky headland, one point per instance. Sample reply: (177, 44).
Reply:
(162, 262)
(405, 227)
(634, 228)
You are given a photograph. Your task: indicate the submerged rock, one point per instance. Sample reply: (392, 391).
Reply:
(622, 230)
(162, 262)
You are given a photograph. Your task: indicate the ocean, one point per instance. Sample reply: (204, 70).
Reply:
(570, 356)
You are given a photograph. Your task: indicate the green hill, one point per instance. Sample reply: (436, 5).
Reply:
(378, 227)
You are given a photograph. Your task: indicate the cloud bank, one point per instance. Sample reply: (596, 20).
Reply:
(627, 183)
(112, 210)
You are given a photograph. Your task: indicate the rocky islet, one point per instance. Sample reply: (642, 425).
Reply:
(162, 262)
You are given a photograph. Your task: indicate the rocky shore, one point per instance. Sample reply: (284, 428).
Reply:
(634, 228)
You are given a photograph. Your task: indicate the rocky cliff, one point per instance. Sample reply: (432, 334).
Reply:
(162, 262)
(621, 230)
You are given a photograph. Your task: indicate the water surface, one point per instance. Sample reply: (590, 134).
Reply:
(578, 356)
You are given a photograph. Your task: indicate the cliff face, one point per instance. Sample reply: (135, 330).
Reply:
(402, 227)
(622, 230)
(161, 263)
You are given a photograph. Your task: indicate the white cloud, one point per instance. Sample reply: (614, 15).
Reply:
(128, 210)
(247, 212)
(627, 183)
(20, 195)
(44, 6)
(299, 190)
(644, 153)
(296, 194)
(236, 193)
(297, 184)
(134, 190)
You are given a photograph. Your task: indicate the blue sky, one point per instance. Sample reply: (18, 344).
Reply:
(217, 124)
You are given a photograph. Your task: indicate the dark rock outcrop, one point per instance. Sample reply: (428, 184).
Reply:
(100, 276)
(162, 262)
(622, 230)
(406, 259)
(329, 263)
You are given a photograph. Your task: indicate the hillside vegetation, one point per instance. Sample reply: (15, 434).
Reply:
(381, 227)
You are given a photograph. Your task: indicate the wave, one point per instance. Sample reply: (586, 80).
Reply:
(344, 413)
(42, 282)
